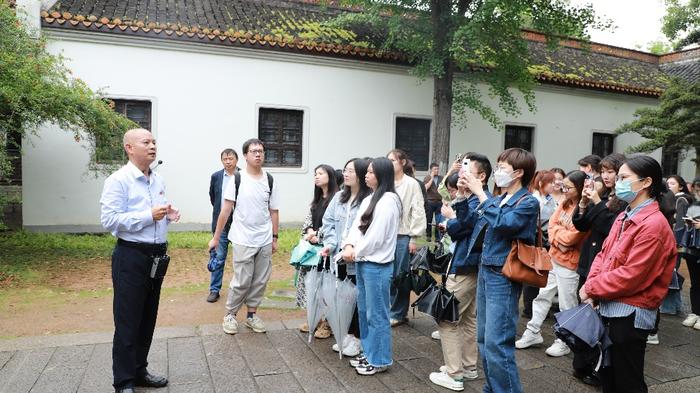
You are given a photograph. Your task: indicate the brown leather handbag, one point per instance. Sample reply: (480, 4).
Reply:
(528, 264)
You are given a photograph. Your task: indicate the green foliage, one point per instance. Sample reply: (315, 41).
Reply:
(675, 124)
(659, 47)
(36, 87)
(480, 40)
(681, 24)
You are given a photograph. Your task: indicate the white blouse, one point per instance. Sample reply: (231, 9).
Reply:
(379, 241)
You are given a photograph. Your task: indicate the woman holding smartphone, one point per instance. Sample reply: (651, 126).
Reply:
(630, 275)
(371, 244)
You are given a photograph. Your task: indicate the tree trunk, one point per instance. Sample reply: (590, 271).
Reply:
(442, 89)
(442, 120)
(697, 162)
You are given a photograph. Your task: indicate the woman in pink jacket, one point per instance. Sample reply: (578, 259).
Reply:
(629, 277)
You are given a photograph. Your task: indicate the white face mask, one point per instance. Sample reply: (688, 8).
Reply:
(503, 178)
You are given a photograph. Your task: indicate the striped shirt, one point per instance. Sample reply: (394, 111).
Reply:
(644, 318)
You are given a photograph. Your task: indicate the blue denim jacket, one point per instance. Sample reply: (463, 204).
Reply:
(511, 221)
(464, 231)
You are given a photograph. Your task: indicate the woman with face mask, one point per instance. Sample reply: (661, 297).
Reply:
(595, 214)
(507, 217)
(565, 244)
(630, 276)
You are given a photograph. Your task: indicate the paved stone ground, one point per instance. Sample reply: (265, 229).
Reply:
(203, 359)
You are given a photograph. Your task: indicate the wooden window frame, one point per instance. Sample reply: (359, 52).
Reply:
(530, 127)
(397, 118)
(280, 146)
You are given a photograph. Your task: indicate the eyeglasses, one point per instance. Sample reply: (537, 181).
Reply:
(256, 151)
(348, 170)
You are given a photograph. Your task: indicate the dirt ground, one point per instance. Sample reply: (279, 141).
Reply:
(76, 296)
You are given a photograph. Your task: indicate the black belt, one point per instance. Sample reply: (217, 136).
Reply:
(148, 248)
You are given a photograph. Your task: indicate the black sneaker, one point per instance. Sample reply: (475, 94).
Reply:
(370, 369)
(213, 297)
(359, 360)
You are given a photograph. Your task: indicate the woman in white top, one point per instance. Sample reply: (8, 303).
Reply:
(371, 244)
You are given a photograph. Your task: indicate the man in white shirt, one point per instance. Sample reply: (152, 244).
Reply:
(253, 235)
(134, 209)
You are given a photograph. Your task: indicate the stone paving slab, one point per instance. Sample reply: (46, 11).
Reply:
(203, 359)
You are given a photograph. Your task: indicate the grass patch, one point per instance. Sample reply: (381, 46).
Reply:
(26, 256)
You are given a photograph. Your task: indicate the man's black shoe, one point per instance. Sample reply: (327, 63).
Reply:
(151, 381)
(213, 296)
(125, 390)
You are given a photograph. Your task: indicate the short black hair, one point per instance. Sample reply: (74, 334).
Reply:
(229, 151)
(252, 141)
(433, 165)
(593, 160)
(520, 159)
(483, 163)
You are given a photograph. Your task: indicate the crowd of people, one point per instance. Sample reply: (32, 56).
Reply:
(614, 232)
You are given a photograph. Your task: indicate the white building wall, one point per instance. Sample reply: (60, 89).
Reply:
(205, 99)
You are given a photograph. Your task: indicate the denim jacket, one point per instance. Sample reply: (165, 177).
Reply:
(506, 223)
(464, 231)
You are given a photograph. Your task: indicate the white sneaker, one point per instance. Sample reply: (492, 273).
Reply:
(230, 324)
(529, 339)
(469, 374)
(558, 348)
(690, 320)
(435, 335)
(653, 339)
(351, 346)
(444, 380)
(255, 324)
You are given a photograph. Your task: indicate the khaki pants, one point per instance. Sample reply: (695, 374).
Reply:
(459, 339)
(252, 267)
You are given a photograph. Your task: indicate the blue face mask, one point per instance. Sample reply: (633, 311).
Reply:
(623, 190)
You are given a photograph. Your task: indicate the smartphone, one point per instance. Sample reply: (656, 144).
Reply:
(465, 166)
(589, 182)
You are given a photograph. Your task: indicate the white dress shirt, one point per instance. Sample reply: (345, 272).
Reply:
(126, 202)
(378, 243)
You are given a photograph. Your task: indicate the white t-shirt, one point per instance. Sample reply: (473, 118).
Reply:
(252, 224)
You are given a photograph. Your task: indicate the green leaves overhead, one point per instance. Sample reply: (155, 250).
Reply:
(36, 87)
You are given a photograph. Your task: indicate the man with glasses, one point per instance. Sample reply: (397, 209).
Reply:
(253, 235)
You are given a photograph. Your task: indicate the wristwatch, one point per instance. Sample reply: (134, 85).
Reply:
(275, 236)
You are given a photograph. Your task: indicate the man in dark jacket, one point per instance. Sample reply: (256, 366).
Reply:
(433, 201)
(218, 182)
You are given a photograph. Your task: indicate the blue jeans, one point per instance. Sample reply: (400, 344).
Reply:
(217, 275)
(496, 318)
(373, 282)
(400, 298)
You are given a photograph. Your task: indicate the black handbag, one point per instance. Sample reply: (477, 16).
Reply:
(438, 302)
(402, 282)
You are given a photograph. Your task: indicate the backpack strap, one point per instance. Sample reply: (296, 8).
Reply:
(237, 182)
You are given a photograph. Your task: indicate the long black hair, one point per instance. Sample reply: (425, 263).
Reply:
(384, 172)
(319, 200)
(361, 166)
(645, 166)
(578, 178)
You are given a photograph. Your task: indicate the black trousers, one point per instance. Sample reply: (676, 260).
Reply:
(529, 294)
(626, 373)
(694, 272)
(135, 309)
(432, 208)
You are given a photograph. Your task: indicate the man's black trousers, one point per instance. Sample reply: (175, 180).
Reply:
(135, 309)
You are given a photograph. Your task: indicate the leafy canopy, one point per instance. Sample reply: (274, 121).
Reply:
(36, 87)
(674, 125)
(681, 23)
(481, 40)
